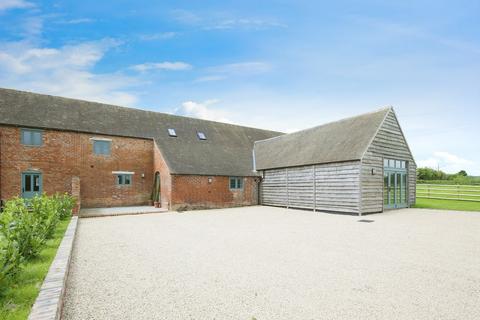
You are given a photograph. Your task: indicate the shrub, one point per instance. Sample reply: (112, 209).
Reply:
(25, 226)
(10, 256)
(46, 212)
(66, 204)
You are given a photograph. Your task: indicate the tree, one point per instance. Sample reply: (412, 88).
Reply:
(462, 173)
(431, 174)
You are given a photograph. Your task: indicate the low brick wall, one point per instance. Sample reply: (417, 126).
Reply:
(191, 192)
(49, 303)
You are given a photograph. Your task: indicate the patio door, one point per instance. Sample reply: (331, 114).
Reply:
(31, 184)
(395, 188)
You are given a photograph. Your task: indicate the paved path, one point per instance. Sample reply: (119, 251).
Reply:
(118, 211)
(272, 263)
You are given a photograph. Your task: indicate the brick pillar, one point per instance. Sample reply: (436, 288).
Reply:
(76, 194)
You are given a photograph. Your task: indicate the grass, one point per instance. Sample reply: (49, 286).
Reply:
(448, 204)
(18, 299)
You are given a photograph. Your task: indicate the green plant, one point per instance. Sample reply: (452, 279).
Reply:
(20, 292)
(25, 226)
(10, 256)
(66, 203)
(46, 212)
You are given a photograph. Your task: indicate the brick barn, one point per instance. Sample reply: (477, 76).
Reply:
(109, 156)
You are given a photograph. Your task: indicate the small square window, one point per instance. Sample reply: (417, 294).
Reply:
(201, 135)
(236, 183)
(385, 163)
(31, 137)
(391, 163)
(101, 147)
(124, 179)
(172, 133)
(397, 164)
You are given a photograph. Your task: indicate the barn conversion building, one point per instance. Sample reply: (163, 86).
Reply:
(107, 155)
(111, 155)
(357, 165)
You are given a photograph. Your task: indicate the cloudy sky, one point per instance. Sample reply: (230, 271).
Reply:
(283, 65)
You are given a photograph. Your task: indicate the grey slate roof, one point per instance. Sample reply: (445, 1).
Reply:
(227, 150)
(343, 140)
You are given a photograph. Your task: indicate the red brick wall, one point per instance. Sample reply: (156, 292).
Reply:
(192, 191)
(159, 165)
(67, 154)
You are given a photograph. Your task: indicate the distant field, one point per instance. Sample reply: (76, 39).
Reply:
(448, 204)
(448, 197)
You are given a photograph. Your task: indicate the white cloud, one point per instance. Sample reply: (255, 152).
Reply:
(447, 162)
(221, 72)
(157, 36)
(203, 110)
(14, 4)
(32, 27)
(243, 23)
(172, 66)
(65, 71)
(242, 68)
(186, 17)
(77, 21)
(210, 78)
(222, 21)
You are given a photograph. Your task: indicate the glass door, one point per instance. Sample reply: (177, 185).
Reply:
(395, 184)
(31, 184)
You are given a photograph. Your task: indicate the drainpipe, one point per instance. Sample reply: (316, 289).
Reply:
(258, 180)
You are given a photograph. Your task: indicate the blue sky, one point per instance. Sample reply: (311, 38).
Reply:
(283, 65)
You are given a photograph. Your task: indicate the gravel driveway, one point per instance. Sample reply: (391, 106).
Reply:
(272, 263)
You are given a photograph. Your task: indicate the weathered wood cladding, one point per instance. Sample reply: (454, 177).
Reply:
(388, 143)
(325, 187)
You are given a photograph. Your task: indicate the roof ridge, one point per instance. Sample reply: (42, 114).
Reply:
(330, 122)
(138, 109)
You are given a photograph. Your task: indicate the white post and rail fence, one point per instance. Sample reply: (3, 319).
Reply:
(449, 192)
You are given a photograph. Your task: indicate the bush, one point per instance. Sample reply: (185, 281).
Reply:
(66, 204)
(10, 255)
(25, 226)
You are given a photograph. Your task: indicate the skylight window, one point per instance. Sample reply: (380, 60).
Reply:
(201, 135)
(172, 133)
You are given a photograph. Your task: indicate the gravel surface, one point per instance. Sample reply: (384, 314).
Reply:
(272, 263)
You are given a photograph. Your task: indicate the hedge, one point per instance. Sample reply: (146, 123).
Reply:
(25, 226)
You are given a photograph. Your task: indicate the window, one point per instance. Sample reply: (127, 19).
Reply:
(236, 183)
(124, 179)
(394, 164)
(101, 147)
(391, 163)
(201, 135)
(31, 137)
(172, 133)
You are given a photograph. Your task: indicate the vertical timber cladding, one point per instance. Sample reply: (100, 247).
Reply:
(324, 187)
(391, 144)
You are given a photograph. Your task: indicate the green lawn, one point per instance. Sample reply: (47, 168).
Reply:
(448, 204)
(20, 296)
